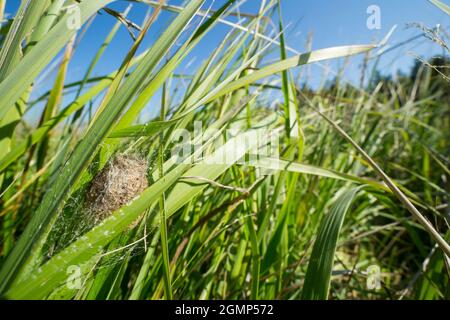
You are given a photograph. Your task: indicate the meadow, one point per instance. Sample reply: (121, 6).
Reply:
(246, 183)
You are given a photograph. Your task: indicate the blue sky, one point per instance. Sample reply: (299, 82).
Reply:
(331, 22)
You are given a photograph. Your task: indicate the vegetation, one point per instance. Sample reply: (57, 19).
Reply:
(351, 203)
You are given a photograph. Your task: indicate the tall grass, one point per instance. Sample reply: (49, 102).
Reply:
(359, 179)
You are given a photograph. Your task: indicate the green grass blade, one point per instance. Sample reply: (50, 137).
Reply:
(391, 184)
(84, 151)
(318, 275)
(90, 244)
(18, 81)
(38, 134)
(309, 57)
(441, 6)
(26, 19)
(290, 166)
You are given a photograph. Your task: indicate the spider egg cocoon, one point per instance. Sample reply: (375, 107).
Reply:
(118, 183)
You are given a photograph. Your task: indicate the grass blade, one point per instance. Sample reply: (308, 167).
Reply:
(317, 279)
(441, 6)
(84, 151)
